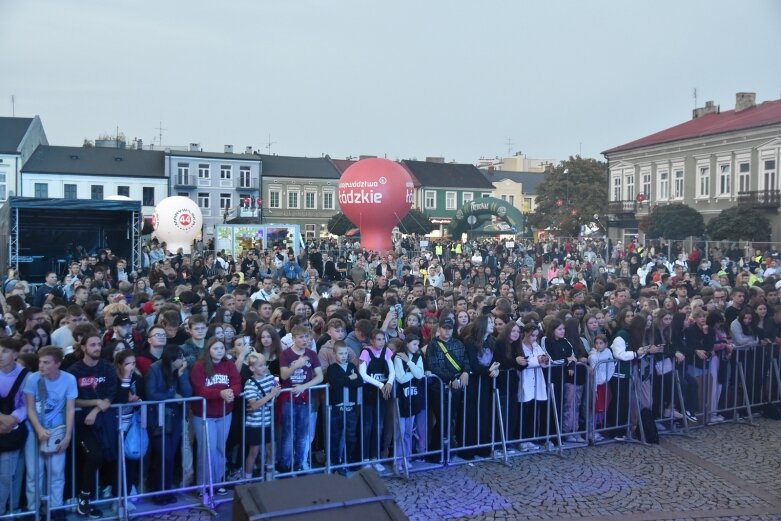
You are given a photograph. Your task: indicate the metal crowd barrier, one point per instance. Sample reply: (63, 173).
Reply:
(486, 420)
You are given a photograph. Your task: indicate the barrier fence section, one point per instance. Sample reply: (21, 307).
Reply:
(563, 405)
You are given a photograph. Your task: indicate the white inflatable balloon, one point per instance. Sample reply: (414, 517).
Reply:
(178, 222)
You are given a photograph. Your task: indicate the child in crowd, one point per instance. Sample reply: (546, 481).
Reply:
(408, 365)
(259, 391)
(377, 372)
(603, 372)
(344, 383)
(300, 369)
(336, 331)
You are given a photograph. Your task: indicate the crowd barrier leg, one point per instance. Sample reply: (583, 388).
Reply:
(500, 420)
(400, 442)
(555, 412)
(775, 378)
(679, 394)
(741, 374)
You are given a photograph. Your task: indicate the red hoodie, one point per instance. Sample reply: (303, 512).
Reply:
(226, 376)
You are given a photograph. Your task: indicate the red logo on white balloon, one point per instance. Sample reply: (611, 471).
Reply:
(184, 219)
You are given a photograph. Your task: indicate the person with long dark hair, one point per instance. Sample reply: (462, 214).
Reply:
(480, 345)
(532, 390)
(166, 378)
(509, 354)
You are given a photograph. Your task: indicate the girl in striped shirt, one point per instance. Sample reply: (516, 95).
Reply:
(259, 392)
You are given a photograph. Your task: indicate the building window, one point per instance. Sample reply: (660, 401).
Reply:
(292, 199)
(245, 178)
(41, 189)
(204, 200)
(430, 200)
(617, 188)
(183, 194)
(511, 200)
(703, 182)
(204, 172)
(450, 200)
(225, 171)
(647, 185)
(274, 199)
(725, 179)
(148, 196)
(310, 200)
(69, 192)
(309, 231)
(96, 192)
(328, 200)
(678, 193)
(527, 204)
(485, 194)
(3, 187)
(123, 190)
(664, 185)
(630, 187)
(769, 174)
(225, 201)
(467, 197)
(182, 174)
(744, 177)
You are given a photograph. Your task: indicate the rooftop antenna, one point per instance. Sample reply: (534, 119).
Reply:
(160, 133)
(694, 95)
(268, 144)
(13, 105)
(509, 144)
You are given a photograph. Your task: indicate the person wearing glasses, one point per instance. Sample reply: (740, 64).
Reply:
(156, 339)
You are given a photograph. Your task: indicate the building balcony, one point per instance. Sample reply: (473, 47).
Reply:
(621, 207)
(187, 182)
(769, 199)
(248, 189)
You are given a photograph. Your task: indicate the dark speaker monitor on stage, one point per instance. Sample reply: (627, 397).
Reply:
(319, 497)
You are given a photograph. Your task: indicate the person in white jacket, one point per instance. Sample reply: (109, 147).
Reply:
(600, 360)
(532, 390)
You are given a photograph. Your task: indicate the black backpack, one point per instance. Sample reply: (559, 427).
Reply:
(649, 427)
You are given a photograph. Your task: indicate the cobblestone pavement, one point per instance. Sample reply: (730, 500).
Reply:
(724, 472)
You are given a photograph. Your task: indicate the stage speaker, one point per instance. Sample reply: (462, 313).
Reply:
(318, 497)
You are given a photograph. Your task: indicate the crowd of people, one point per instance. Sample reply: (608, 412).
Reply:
(231, 358)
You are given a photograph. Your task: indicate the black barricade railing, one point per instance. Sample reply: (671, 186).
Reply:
(616, 404)
(569, 384)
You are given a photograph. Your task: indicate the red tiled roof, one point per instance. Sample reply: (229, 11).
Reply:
(766, 113)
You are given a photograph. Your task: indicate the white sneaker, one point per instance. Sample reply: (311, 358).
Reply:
(379, 467)
(717, 418)
(574, 438)
(672, 412)
(548, 445)
(133, 494)
(597, 437)
(527, 446)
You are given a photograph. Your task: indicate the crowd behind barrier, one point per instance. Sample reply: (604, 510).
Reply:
(169, 386)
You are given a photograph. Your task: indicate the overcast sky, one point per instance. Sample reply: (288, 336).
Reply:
(406, 79)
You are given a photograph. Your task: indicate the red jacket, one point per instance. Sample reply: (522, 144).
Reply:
(226, 376)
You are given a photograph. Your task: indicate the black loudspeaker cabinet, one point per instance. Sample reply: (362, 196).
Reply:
(319, 497)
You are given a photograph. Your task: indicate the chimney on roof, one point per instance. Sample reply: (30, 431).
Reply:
(248, 150)
(195, 147)
(709, 108)
(228, 149)
(435, 160)
(745, 100)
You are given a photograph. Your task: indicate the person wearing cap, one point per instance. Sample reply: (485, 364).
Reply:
(446, 358)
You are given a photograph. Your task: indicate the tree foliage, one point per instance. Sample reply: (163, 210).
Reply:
(739, 223)
(339, 224)
(571, 195)
(416, 222)
(674, 222)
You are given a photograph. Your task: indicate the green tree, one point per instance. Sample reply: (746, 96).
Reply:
(739, 223)
(416, 222)
(571, 195)
(339, 224)
(674, 222)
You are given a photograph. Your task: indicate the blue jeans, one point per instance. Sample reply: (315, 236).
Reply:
(218, 437)
(344, 434)
(295, 435)
(8, 478)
